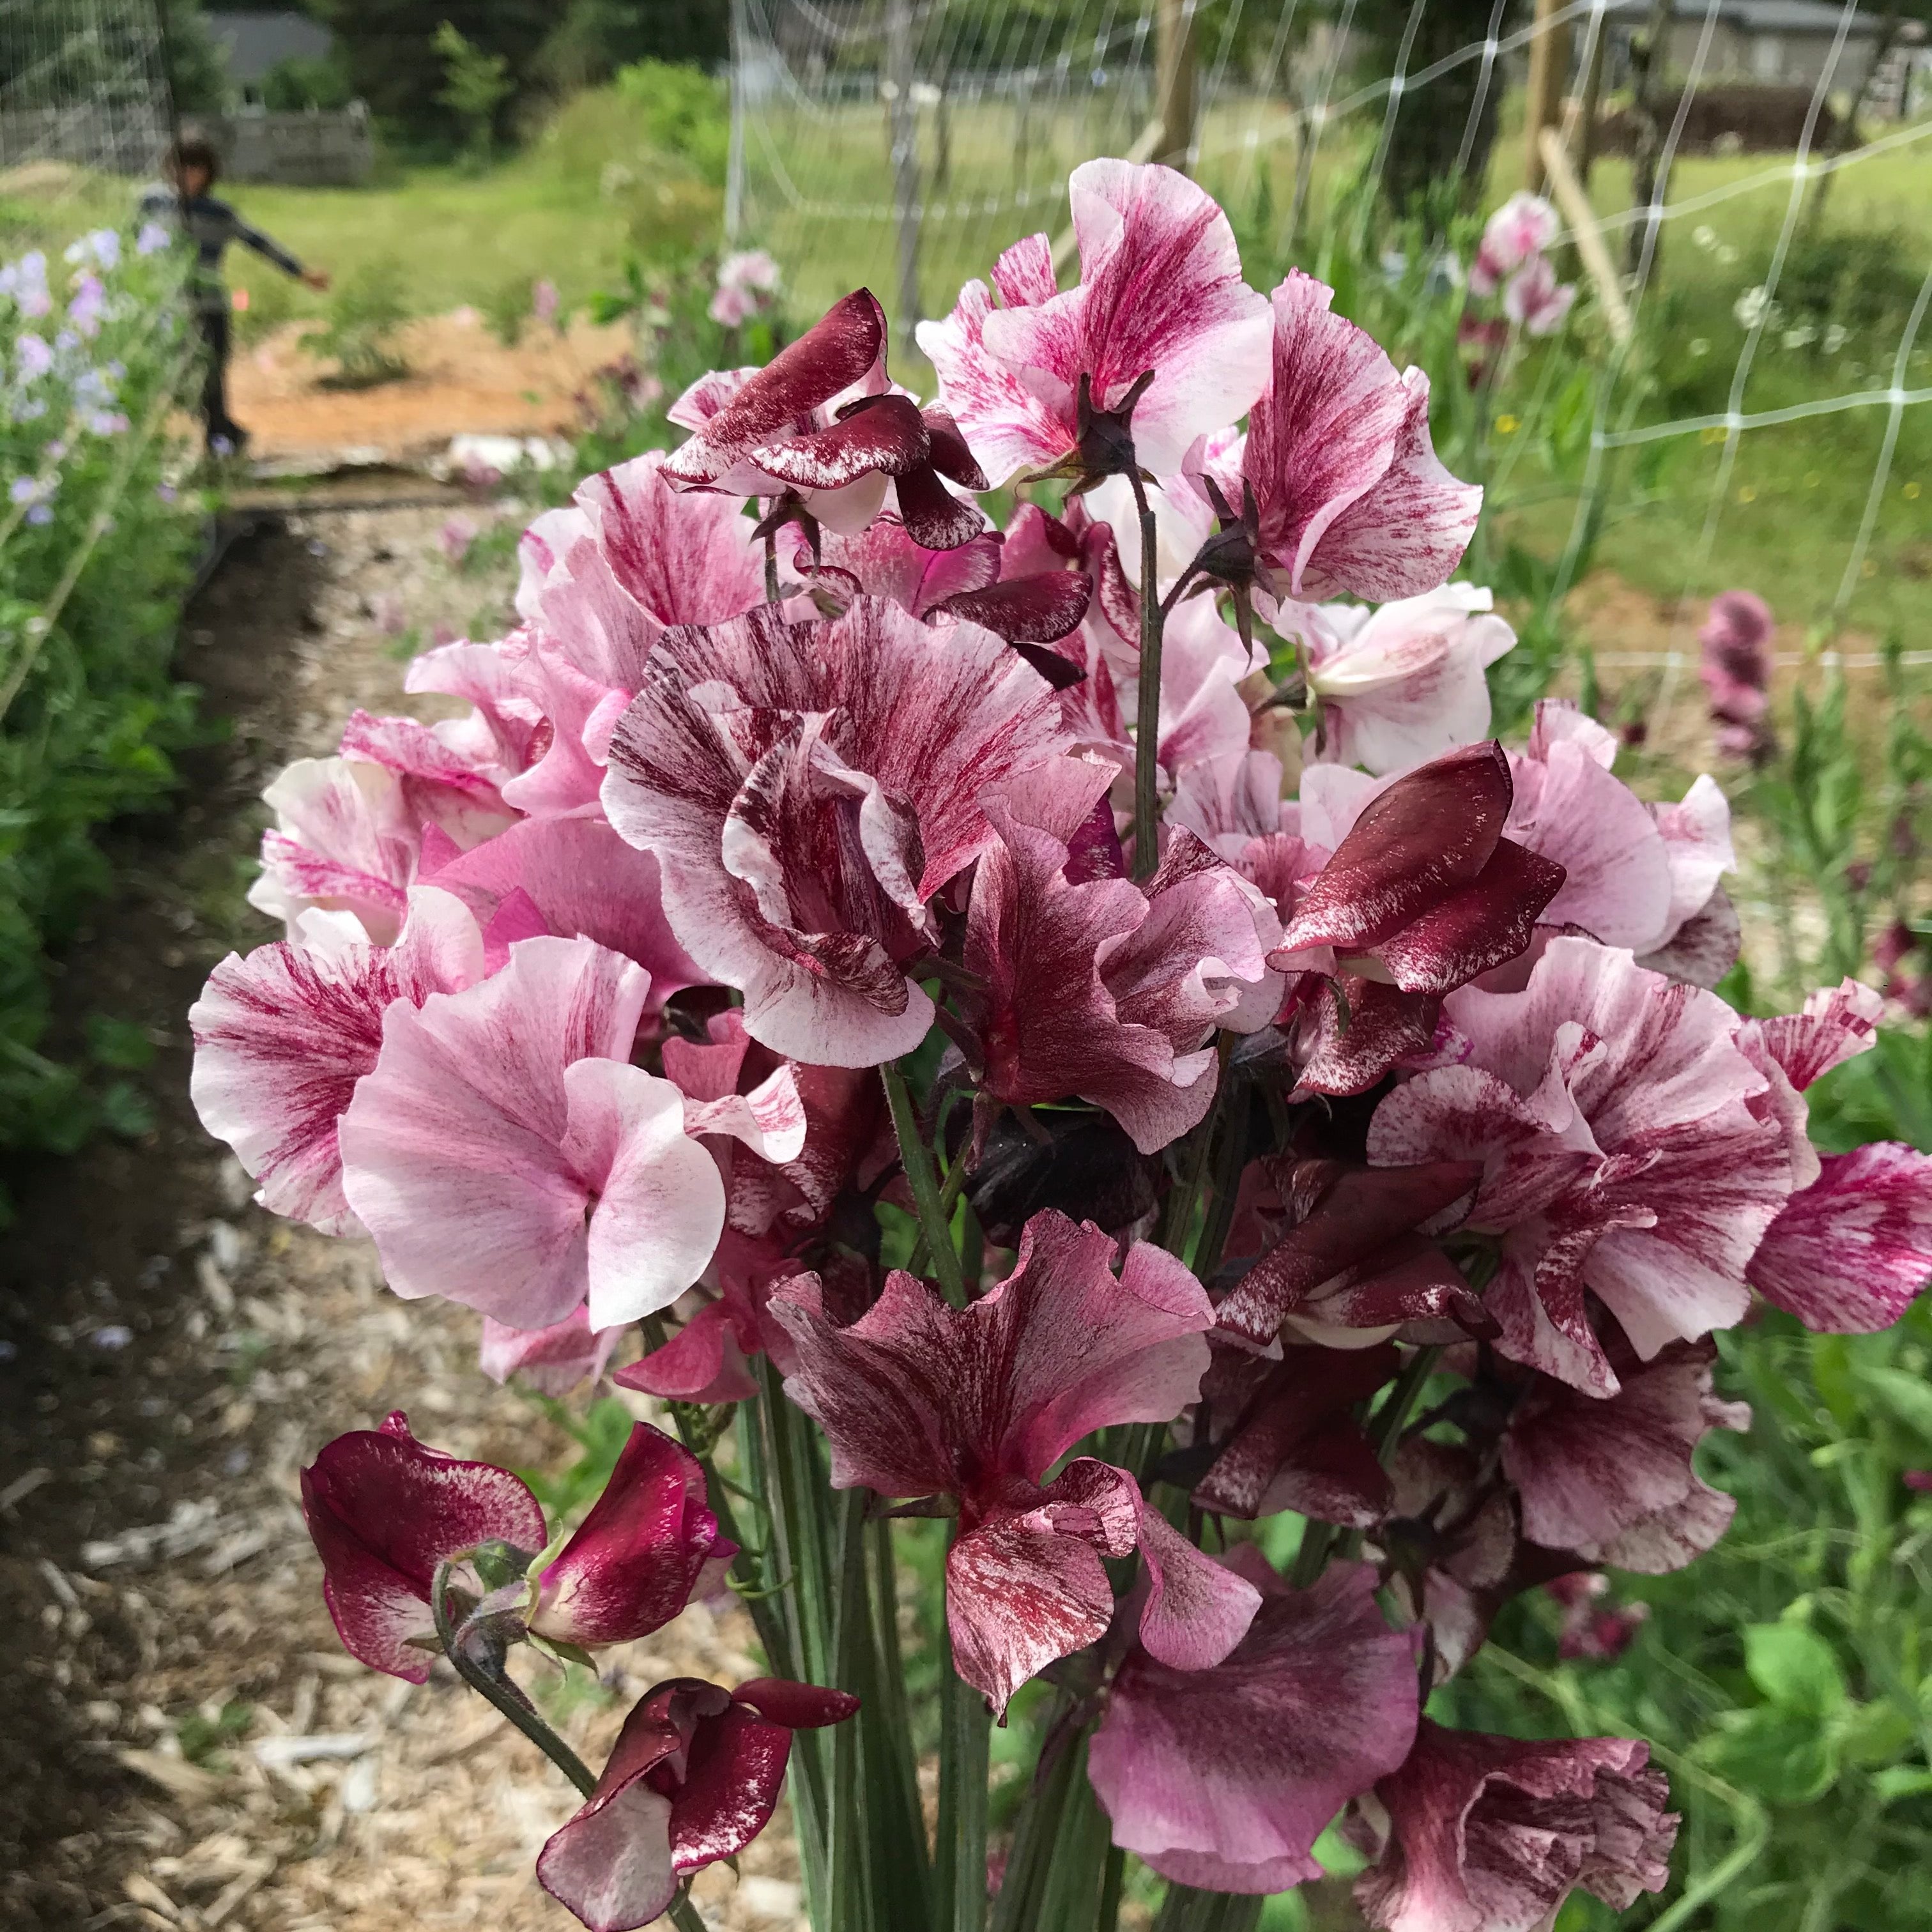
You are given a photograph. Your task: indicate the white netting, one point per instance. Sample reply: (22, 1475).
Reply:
(903, 143)
(82, 82)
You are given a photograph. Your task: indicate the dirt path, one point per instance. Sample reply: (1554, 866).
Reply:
(182, 1742)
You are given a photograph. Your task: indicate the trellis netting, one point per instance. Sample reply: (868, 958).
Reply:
(903, 145)
(84, 83)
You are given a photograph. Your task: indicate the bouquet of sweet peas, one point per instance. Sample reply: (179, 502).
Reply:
(1303, 1124)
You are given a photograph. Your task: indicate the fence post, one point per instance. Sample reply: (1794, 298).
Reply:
(1175, 81)
(1549, 70)
(902, 122)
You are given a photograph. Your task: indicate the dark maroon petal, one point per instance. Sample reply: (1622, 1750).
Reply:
(1429, 835)
(887, 438)
(1348, 1051)
(1358, 1215)
(385, 1510)
(799, 1707)
(933, 516)
(733, 1775)
(610, 1862)
(835, 352)
(1470, 931)
(1298, 1433)
(631, 1564)
(1036, 610)
(950, 456)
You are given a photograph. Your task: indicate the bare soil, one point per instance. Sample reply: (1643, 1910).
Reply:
(183, 1743)
(460, 378)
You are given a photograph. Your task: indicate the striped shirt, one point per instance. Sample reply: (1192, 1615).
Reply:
(210, 225)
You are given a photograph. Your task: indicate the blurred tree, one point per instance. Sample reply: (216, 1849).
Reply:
(596, 37)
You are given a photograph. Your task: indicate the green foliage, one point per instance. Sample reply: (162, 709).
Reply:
(475, 84)
(600, 1434)
(89, 715)
(595, 37)
(367, 308)
(507, 308)
(306, 81)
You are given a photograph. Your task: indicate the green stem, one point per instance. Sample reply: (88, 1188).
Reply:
(1392, 1417)
(500, 1691)
(850, 1895)
(771, 566)
(960, 1883)
(917, 1158)
(683, 1914)
(889, 1736)
(1037, 1835)
(948, 1199)
(1147, 718)
(1110, 1890)
(1182, 1201)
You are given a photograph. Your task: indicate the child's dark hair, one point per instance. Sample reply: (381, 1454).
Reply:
(194, 150)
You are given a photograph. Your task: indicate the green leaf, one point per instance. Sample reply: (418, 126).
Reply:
(1795, 1668)
(1903, 1780)
(125, 1110)
(119, 1044)
(1782, 1757)
(1906, 1398)
(1874, 1734)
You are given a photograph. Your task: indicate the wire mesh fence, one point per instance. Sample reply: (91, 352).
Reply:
(1764, 418)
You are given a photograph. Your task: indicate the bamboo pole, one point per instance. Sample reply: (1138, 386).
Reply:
(1548, 69)
(1174, 69)
(1586, 232)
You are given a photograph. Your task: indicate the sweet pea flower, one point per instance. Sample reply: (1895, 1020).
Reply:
(1612, 1478)
(1535, 299)
(917, 1398)
(694, 1778)
(1348, 492)
(1480, 1834)
(1095, 985)
(649, 1545)
(1630, 1146)
(751, 269)
(385, 1510)
(349, 831)
(89, 304)
(807, 789)
(1853, 1248)
(552, 1361)
(282, 1037)
(821, 423)
(1398, 685)
(152, 238)
(1422, 893)
(32, 358)
(1160, 297)
(504, 1153)
(729, 307)
(1735, 669)
(1522, 229)
(1223, 1777)
(544, 300)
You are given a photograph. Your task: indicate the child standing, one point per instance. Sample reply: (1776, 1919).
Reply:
(184, 202)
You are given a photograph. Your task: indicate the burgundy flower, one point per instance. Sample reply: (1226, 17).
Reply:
(1222, 1778)
(650, 1544)
(1094, 985)
(694, 1778)
(917, 1398)
(1160, 294)
(807, 788)
(384, 1511)
(1612, 1478)
(972, 583)
(821, 420)
(1595, 1628)
(1736, 672)
(1296, 1442)
(1481, 1834)
(1346, 1227)
(1422, 894)
(1351, 494)
(1627, 1149)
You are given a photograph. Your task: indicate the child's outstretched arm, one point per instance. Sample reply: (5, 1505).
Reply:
(272, 250)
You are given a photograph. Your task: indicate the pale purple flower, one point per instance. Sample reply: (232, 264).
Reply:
(1523, 227)
(544, 300)
(41, 515)
(23, 489)
(750, 268)
(32, 357)
(456, 536)
(729, 307)
(88, 306)
(152, 238)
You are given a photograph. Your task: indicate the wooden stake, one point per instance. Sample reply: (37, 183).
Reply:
(1584, 229)
(1175, 81)
(1548, 69)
